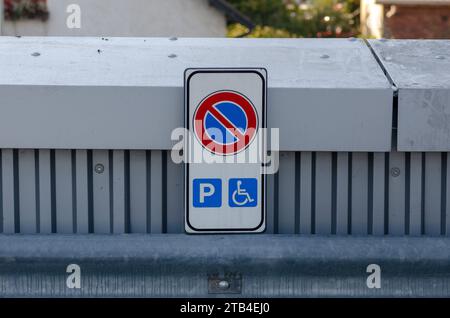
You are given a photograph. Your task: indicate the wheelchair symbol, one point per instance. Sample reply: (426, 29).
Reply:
(243, 192)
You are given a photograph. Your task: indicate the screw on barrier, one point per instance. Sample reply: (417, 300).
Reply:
(228, 283)
(395, 172)
(223, 284)
(99, 168)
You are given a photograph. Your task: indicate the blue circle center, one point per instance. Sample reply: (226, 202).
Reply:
(218, 131)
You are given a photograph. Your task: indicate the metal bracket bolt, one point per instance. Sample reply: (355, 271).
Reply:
(395, 172)
(99, 168)
(230, 283)
(223, 284)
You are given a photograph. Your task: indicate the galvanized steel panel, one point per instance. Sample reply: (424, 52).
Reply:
(142, 192)
(421, 71)
(125, 93)
(179, 265)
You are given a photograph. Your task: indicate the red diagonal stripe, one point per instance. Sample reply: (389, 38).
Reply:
(226, 123)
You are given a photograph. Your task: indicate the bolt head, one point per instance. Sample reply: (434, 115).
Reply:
(395, 172)
(223, 284)
(99, 168)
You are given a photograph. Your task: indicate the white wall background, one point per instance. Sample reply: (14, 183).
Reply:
(194, 18)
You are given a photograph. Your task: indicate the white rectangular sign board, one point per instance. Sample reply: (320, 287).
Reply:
(225, 118)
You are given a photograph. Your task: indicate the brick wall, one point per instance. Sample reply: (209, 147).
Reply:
(408, 22)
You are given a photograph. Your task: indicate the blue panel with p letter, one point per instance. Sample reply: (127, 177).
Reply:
(207, 193)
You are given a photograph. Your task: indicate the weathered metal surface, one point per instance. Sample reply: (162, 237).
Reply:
(179, 265)
(127, 93)
(60, 191)
(334, 108)
(421, 71)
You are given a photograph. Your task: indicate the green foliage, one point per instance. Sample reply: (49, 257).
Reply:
(299, 18)
(237, 30)
(25, 9)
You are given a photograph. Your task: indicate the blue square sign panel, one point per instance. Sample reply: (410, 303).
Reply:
(243, 193)
(207, 193)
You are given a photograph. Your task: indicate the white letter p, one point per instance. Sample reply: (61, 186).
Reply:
(206, 190)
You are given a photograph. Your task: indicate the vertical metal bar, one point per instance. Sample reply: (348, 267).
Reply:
(444, 186)
(447, 194)
(297, 193)
(397, 193)
(27, 191)
(118, 191)
(8, 191)
(63, 187)
(286, 221)
(1, 192)
(45, 204)
(432, 193)
(138, 192)
(342, 193)
(156, 195)
(415, 194)
(82, 204)
(102, 220)
(305, 194)
(323, 193)
(360, 193)
(270, 203)
(378, 194)
(175, 212)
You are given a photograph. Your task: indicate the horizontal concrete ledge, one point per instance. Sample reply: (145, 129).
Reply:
(179, 265)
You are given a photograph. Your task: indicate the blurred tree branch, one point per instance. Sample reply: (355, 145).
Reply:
(298, 18)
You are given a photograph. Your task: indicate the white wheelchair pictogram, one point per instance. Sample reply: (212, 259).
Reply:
(239, 193)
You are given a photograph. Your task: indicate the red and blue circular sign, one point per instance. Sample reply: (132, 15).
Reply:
(225, 122)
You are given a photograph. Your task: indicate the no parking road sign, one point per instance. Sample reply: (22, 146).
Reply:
(224, 116)
(225, 122)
